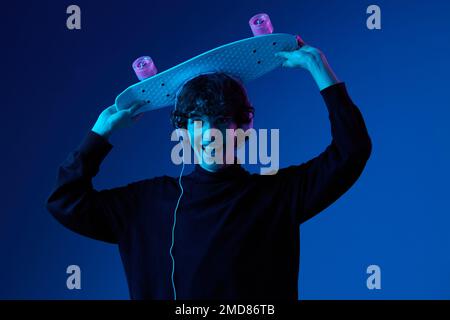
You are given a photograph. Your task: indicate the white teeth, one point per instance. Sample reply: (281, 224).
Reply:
(210, 150)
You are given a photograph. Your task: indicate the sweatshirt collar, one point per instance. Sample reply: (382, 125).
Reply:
(227, 173)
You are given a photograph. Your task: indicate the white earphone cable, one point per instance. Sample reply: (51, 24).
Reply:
(173, 230)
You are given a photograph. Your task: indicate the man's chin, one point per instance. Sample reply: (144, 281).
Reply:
(208, 160)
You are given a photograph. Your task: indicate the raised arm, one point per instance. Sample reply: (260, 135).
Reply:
(322, 180)
(75, 203)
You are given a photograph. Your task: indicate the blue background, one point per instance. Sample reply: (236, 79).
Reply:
(55, 82)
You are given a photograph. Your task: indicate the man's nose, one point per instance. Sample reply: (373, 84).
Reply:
(208, 127)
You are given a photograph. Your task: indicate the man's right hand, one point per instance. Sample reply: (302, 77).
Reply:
(111, 119)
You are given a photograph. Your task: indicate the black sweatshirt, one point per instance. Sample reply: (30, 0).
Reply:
(237, 234)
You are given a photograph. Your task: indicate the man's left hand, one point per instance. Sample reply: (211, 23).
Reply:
(313, 60)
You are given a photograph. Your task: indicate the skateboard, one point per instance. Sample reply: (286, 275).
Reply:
(246, 60)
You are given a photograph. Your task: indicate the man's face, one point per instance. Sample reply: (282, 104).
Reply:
(203, 132)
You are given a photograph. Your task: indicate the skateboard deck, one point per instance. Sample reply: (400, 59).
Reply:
(246, 60)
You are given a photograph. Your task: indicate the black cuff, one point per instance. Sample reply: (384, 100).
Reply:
(95, 147)
(336, 94)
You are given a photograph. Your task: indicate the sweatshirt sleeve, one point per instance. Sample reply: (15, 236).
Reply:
(74, 202)
(319, 182)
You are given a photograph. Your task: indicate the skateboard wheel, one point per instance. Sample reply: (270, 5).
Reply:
(260, 24)
(144, 67)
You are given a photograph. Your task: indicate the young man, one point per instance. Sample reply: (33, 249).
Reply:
(237, 234)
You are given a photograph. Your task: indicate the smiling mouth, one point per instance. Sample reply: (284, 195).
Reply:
(209, 150)
(206, 148)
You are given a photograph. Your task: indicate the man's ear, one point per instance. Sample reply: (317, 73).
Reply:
(249, 125)
(178, 132)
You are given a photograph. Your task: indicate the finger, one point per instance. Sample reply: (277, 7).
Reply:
(110, 110)
(306, 48)
(288, 64)
(283, 54)
(136, 106)
(309, 49)
(137, 117)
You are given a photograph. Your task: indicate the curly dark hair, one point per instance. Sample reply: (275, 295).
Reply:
(212, 94)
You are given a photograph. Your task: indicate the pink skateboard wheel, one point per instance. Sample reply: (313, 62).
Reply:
(144, 67)
(260, 24)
